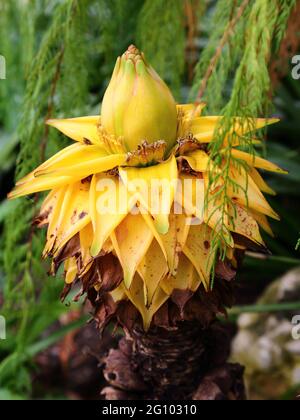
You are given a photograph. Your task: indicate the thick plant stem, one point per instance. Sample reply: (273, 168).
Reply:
(170, 361)
(185, 362)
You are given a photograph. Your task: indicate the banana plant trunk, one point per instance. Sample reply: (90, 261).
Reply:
(187, 362)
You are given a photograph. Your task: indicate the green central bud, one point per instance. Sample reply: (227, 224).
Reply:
(137, 105)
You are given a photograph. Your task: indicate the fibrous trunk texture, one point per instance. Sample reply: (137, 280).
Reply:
(187, 362)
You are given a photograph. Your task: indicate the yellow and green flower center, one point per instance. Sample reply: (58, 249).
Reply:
(137, 105)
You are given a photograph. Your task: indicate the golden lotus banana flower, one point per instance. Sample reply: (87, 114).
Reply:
(126, 211)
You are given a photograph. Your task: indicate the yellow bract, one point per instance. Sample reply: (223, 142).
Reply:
(248, 194)
(83, 129)
(136, 295)
(70, 270)
(154, 187)
(105, 220)
(198, 160)
(131, 241)
(197, 249)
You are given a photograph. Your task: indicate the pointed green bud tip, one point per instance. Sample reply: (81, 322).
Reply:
(137, 105)
(132, 53)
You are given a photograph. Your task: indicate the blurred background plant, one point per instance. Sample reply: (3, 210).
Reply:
(234, 54)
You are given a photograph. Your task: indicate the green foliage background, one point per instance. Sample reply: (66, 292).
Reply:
(59, 56)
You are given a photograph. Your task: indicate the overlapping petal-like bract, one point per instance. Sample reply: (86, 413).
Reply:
(160, 251)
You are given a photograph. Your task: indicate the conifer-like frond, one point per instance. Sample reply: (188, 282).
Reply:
(246, 53)
(161, 35)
